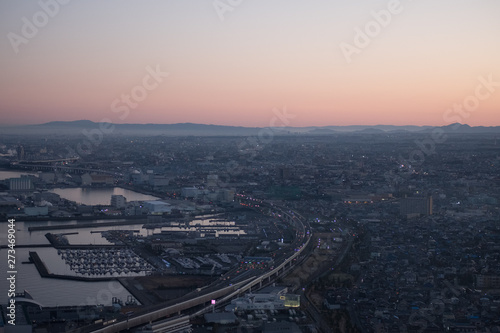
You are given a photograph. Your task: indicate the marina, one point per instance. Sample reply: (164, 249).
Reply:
(71, 289)
(96, 253)
(44, 272)
(105, 262)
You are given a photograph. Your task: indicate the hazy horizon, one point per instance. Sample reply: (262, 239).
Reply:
(243, 126)
(329, 63)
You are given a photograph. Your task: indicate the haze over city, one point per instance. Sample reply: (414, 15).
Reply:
(249, 166)
(328, 62)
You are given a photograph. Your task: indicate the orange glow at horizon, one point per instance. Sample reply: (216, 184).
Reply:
(263, 56)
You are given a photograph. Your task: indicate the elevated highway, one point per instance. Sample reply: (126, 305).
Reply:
(226, 293)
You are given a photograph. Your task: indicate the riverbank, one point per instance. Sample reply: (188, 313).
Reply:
(136, 220)
(77, 218)
(85, 225)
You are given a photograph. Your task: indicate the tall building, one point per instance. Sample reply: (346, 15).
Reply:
(416, 206)
(284, 173)
(23, 183)
(20, 153)
(118, 201)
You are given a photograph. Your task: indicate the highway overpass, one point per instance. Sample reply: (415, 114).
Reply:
(222, 295)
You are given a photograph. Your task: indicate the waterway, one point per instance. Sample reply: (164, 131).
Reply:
(56, 292)
(99, 196)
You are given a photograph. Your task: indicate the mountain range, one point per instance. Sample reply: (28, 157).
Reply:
(191, 129)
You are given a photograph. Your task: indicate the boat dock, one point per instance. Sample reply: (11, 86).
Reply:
(44, 272)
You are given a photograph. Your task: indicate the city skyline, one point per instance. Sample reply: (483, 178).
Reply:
(234, 62)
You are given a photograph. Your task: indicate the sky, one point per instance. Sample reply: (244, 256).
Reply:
(235, 62)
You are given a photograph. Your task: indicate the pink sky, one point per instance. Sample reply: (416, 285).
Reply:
(261, 56)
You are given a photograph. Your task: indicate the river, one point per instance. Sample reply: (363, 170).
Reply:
(99, 195)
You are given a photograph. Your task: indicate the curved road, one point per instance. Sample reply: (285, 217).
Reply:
(304, 236)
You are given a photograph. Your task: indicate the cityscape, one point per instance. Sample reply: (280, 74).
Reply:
(303, 233)
(235, 166)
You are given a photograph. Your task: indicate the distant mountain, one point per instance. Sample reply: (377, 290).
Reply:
(75, 123)
(66, 127)
(188, 128)
(80, 127)
(456, 127)
(321, 131)
(385, 128)
(466, 129)
(371, 131)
